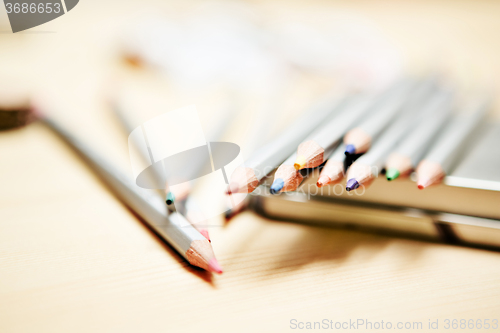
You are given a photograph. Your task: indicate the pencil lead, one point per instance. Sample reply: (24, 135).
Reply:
(323, 181)
(350, 149)
(277, 186)
(392, 174)
(300, 162)
(170, 198)
(232, 188)
(205, 234)
(423, 183)
(214, 266)
(352, 184)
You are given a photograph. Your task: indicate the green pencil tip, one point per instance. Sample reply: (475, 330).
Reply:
(392, 174)
(170, 198)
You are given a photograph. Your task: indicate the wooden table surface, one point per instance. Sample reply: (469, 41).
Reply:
(74, 259)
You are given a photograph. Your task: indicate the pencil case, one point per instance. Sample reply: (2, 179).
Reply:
(464, 209)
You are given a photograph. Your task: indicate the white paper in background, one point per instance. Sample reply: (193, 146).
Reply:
(174, 132)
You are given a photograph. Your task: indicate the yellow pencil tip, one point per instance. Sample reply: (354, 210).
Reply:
(300, 163)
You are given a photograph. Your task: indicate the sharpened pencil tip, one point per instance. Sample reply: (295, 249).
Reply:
(277, 186)
(300, 162)
(350, 150)
(205, 234)
(423, 183)
(323, 181)
(170, 198)
(352, 184)
(392, 174)
(233, 188)
(214, 266)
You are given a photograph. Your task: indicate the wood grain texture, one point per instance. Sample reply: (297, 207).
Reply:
(74, 259)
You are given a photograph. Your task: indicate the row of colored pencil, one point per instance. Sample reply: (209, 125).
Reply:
(411, 125)
(416, 124)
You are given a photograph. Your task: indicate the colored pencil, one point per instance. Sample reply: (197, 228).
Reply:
(333, 171)
(443, 156)
(127, 123)
(173, 228)
(263, 161)
(359, 139)
(286, 178)
(323, 141)
(411, 150)
(368, 166)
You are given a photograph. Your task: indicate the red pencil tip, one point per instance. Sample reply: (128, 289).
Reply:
(213, 266)
(423, 183)
(322, 181)
(232, 188)
(205, 234)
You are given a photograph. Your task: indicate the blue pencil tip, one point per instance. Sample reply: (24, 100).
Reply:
(350, 149)
(352, 184)
(277, 186)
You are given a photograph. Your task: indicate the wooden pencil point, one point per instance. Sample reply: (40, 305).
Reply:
(214, 266)
(309, 155)
(400, 163)
(291, 178)
(200, 254)
(300, 162)
(173, 227)
(446, 151)
(243, 180)
(232, 188)
(205, 234)
(429, 173)
(323, 181)
(333, 171)
(361, 173)
(359, 139)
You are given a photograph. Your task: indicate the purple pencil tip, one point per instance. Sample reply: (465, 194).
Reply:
(350, 149)
(352, 184)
